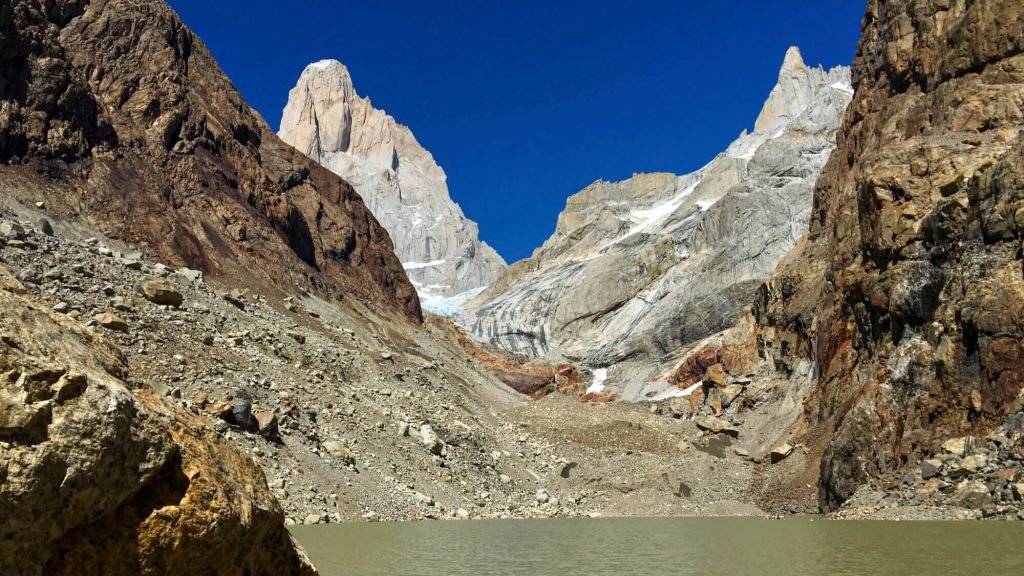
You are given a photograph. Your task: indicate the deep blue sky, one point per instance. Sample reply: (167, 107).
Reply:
(524, 103)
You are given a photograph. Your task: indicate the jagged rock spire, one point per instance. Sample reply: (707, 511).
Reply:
(399, 180)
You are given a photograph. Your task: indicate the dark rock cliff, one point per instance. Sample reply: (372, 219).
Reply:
(908, 295)
(113, 110)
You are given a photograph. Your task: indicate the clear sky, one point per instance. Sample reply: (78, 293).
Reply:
(525, 103)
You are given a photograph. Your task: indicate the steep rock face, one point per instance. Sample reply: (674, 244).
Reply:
(399, 180)
(96, 478)
(636, 269)
(114, 111)
(908, 296)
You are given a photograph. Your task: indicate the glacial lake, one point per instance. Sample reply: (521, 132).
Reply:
(699, 546)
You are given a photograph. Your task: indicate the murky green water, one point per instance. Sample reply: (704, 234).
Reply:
(606, 547)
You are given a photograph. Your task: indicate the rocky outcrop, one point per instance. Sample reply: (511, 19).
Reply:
(114, 111)
(908, 295)
(97, 478)
(399, 180)
(639, 268)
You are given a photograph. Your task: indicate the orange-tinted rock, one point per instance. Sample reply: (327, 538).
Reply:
(221, 410)
(696, 401)
(725, 395)
(715, 376)
(267, 424)
(535, 378)
(693, 367)
(568, 380)
(111, 322)
(1007, 474)
(739, 353)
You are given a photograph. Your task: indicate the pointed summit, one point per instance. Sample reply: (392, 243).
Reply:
(793, 92)
(399, 180)
(794, 61)
(594, 266)
(323, 123)
(331, 71)
(326, 64)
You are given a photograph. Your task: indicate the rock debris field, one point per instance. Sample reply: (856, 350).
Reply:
(353, 419)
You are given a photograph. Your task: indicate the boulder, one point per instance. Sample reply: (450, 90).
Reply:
(45, 226)
(431, 440)
(1008, 475)
(715, 375)
(930, 487)
(716, 426)
(973, 495)
(221, 410)
(199, 399)
(12, 230)
(931, 468)
(680, 407)
(340, 452)
(1018, 491)
(957, 446)
(236, 298)
(190, 276)
(267, 424)
(121, 303)
(111, 322)
(780, 453)
(973, 463)
(726, 395)
(241, 412)
(160, 291)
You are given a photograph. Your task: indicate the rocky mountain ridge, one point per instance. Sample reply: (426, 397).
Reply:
(205, 336)
(637, 269)
(116, 115)
(244, 299)
(398, 179)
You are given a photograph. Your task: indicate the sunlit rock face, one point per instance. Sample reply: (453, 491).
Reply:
(398, 179)
(637, 269)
